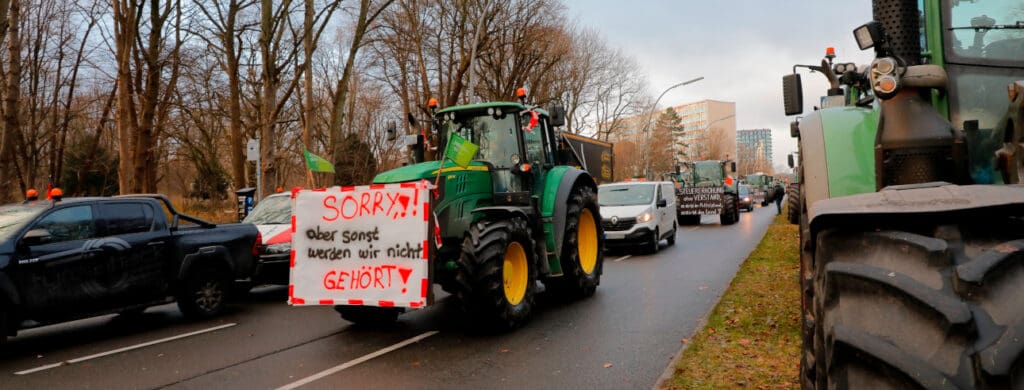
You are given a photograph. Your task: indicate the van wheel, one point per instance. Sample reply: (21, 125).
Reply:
(652, 246)
(672, 237)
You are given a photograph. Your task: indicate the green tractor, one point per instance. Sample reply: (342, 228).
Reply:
(517, 214)
(912, 212)
(705, 188)
(763, 185)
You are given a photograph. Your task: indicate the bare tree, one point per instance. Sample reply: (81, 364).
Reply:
(13, 91)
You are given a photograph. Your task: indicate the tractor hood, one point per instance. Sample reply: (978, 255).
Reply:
(424, 170)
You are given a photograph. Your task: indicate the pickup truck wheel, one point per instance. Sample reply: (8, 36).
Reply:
(496, 272)
(203, 293)
(583, 247)
(369, 315)
(5, 328)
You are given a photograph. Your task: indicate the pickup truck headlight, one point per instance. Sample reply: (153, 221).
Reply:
(274, 249)
(645, 217)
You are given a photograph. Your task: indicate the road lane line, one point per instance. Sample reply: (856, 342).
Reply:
(351, 363)
(125, 349)
(693, 228)
(622, 258)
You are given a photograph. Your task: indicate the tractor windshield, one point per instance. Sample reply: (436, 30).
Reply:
(495, 135)
(705, 173)
(984, 46)
(987, 31)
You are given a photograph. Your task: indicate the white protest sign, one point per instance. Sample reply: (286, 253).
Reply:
(363, 245)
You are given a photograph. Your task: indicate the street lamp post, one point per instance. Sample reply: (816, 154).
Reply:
(647, 135)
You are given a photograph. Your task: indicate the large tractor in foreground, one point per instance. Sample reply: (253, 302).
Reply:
(515, 215)
(912, 220)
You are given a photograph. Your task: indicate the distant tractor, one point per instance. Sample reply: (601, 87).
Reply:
(518, 213)
(912, 213)
(764, 187)
(706, 189)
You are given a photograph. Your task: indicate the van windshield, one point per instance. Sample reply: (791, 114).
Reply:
(625, 195)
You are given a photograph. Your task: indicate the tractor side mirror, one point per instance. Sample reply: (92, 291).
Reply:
(557, 115)
(732, 166)
(794, 129)
(391, 131)
(792, 94)
(789, 159)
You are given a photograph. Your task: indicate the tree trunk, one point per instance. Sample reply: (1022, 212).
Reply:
(11, 118)
(269, 104)
(124, 41)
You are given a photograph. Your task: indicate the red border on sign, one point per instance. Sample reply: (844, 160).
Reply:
(386, 303)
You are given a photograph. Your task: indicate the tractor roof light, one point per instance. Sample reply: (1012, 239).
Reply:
(432, 103)
(521, 95)
(830, 53)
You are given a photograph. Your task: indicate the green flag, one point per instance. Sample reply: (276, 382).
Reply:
(317, 163)
(460, 150)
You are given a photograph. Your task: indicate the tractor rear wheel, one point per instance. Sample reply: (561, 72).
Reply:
(730, 213)
(793, 203)
(583, 247)
(497, 273)
(930, 305)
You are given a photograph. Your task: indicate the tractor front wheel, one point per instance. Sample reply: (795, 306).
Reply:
(793, 203)
(497, 274)
(933, 304)
(582, 247)
(730, 213)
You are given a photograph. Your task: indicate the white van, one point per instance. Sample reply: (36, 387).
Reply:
(641, 213)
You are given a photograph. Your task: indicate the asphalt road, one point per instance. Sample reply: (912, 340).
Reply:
(623, 337)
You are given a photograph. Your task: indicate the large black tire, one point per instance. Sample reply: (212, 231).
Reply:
(651, 247)
(203, 293)
(369, 315)
(730, 214)
(793, 203)
(930, 305)
(480, 282)
(581, 272)
(672, 237)
(5, 326)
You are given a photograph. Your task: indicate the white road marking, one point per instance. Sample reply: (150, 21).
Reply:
(622, 258)
(351, 363)
(693, 228)
(120, 350)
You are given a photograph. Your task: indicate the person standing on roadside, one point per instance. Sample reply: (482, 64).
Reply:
(779, 193)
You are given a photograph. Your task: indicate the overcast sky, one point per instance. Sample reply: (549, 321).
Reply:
(741, 47)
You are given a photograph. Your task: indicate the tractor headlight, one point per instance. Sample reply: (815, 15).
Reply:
(645, 217)
(884, 80)
(746, 199)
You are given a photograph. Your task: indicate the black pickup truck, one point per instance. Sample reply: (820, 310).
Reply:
(82, 257)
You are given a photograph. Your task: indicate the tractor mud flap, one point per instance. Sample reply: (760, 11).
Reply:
(919, 200)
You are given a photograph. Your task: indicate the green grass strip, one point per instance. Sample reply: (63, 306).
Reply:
(752, 338)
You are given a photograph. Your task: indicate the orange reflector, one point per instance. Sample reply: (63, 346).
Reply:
(525, 167)
(887, 84)
(432, 103)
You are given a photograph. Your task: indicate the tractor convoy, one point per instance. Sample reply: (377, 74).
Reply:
(911, 210)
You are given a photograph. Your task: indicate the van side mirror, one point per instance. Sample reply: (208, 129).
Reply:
(556, 116)
(662, 203)
(789, 159)
(792, 94)
(36, 237)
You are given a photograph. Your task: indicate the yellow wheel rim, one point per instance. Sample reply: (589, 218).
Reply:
(587, 241)
(515, 273)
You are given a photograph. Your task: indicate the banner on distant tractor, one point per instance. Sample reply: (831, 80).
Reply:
(363, 245)
(700, 200)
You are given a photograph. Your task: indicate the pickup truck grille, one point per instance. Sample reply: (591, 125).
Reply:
(623, 224)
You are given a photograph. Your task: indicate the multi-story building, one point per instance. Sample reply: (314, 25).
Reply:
(709, 131)
(754, 148)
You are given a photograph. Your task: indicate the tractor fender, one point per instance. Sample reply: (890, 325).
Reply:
(916, 201)
(501, 210)
(561, 190)
(207, 255)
